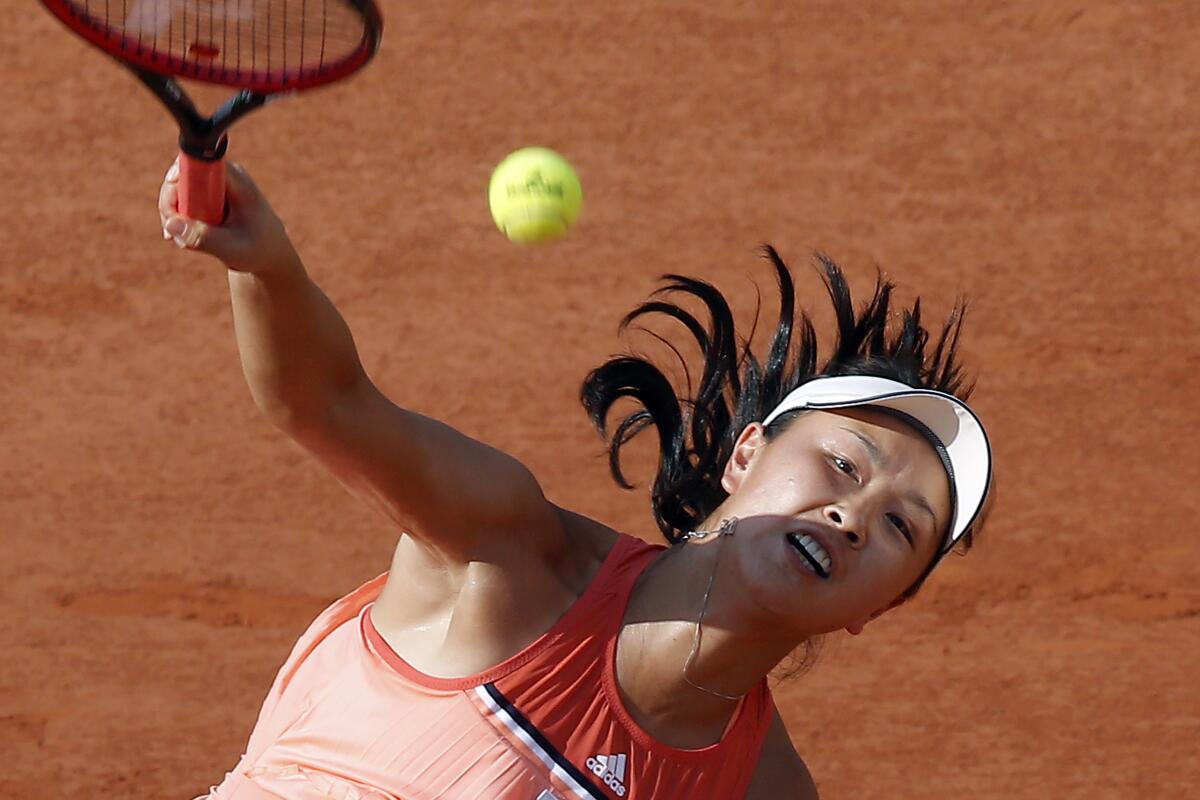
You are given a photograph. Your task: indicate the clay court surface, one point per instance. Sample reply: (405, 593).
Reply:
(163, 546)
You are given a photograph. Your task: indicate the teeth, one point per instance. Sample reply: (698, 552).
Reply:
(816, 551)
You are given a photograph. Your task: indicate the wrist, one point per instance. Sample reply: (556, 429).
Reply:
(282, 267)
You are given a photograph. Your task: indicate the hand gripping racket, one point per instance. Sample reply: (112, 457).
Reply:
(262, 47)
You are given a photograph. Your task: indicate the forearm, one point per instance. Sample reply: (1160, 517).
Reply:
(297, 351)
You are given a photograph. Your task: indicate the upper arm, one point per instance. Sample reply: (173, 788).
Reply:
(439, 485)
(781, 773)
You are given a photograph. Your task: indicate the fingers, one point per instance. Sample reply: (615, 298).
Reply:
(250, 239)
(239, 188)
(186, 233)
(168, 198)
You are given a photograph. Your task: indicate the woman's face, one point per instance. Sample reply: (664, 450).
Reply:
(838, 515)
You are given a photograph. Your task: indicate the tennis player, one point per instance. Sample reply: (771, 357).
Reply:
(517, 650)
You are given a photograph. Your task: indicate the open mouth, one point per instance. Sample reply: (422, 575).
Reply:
(812, 553)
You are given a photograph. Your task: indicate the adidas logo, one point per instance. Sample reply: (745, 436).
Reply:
(611, 770)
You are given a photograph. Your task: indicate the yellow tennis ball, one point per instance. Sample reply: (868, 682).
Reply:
(535, 195)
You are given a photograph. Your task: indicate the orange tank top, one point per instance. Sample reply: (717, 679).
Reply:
(348, 718)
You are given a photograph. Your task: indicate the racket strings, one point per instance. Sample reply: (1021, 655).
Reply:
(228, 39)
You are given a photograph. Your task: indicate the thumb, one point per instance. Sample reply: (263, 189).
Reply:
(192, 234)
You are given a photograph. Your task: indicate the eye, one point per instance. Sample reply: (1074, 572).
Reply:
(844, 465)
(901, 525)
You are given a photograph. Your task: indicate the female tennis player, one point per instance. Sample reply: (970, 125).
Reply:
(517, 650)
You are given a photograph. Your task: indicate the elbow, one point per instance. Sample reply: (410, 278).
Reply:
(292, 417)
(298, 412)
(281, 415)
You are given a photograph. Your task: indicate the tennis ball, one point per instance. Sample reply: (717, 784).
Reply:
(534, 195)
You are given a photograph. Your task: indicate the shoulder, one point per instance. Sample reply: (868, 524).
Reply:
(781, 773)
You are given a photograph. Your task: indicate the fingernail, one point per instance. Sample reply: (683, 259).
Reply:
(166, 235)
(177, 229)
(173, 172)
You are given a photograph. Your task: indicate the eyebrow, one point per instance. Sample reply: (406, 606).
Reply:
(873, 449)
(877, 455)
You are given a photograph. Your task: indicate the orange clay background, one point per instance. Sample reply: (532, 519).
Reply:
(163, 545)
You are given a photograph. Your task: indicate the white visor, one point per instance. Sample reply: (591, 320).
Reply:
(951, 426)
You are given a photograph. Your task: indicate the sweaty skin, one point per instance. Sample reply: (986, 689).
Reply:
(485, 563)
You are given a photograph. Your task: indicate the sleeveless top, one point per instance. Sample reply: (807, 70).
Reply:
(348, 718)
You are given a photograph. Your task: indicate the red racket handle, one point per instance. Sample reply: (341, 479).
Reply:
(202, 189)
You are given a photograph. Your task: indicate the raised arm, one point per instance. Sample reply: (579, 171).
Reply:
(442, 487)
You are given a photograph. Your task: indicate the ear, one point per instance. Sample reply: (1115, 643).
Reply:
(749, 443)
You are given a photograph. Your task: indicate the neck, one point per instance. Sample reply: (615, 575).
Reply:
(732, 650)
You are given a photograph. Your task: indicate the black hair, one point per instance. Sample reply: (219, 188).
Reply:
(697, 432)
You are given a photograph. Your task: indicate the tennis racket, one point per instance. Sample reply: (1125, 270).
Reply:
(263, 48)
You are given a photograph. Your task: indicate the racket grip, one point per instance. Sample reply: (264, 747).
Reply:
(202, 189)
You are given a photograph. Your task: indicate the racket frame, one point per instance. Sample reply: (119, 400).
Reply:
(131, 51)
(203, 140)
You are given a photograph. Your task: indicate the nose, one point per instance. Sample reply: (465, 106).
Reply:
(843, 519)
